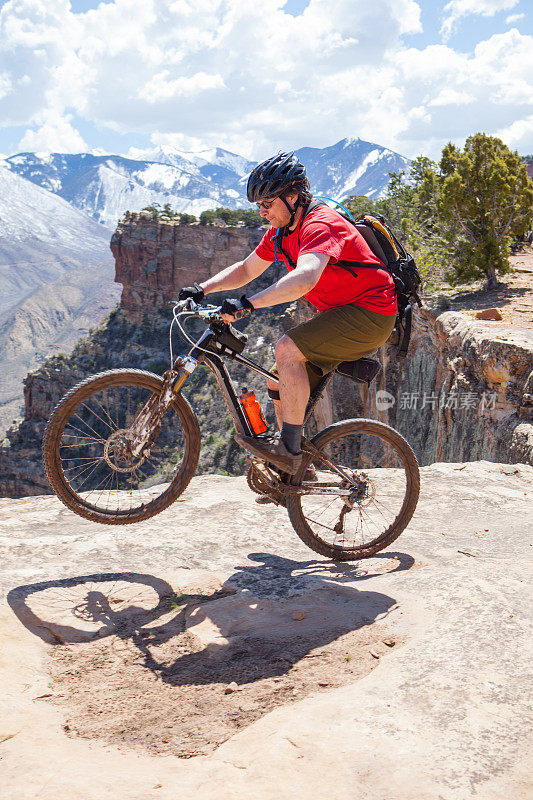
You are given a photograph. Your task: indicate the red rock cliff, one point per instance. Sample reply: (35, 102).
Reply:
(154, 259)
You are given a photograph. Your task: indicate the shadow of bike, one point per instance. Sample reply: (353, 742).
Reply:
(253, 625)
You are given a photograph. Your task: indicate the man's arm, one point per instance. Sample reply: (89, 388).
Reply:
(301, 280)
(236, 275)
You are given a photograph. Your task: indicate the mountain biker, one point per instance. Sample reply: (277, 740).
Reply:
(357, 310)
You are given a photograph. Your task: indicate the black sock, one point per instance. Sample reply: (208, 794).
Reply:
(291, 436)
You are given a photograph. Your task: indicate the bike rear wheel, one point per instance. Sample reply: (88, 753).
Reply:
(367, 507)
(85, 454)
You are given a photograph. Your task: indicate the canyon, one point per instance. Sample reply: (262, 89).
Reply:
(463, 393)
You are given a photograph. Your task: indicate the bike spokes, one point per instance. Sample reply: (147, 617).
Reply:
(96, 450)
(364, 493)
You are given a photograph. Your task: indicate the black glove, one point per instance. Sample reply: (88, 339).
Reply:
(195, 292)
(237, 308)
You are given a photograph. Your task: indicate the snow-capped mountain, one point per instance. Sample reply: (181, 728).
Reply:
(214, 156)
(106, 186)
(350, 167)
(56, 280)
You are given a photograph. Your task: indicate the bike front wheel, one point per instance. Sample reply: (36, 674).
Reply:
(85, 451)
(362, 508)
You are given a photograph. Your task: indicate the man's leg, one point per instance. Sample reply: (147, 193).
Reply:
(287, 351)
(293, 391)
(293, 381)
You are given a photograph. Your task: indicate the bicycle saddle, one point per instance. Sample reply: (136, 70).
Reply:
(364, 370)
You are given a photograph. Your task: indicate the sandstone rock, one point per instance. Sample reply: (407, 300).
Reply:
(489, 313)
(459, 394)
(154, 260)
(464, 668)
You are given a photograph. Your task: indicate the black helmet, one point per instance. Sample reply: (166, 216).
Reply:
(270, 178)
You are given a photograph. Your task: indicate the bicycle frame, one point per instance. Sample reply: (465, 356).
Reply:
(150, 416)
(198, 355)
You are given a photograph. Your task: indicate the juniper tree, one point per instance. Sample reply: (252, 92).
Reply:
(468, 208)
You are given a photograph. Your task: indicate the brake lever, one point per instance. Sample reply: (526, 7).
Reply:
(184, 305)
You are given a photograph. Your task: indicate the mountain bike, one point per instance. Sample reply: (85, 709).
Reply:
(121, 446)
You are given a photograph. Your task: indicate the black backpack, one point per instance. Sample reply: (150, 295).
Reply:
(385, 245)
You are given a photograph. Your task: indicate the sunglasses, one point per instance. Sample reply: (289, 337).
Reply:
(266, 204)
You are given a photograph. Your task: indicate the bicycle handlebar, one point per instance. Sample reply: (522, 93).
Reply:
(209, 313)
(189, 306)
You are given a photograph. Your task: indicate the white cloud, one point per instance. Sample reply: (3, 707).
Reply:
(486, 91)
(513, 18)
(504, 64)
(451, 97)
(518, 135)
(251, 78)
(160, 87)
(457, 9)
(6, 85)
(54, 134)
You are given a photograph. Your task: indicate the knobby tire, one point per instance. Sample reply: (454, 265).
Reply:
(400, 447)
(60, 418)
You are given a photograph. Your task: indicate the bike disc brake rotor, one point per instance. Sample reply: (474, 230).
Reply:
(117, 452)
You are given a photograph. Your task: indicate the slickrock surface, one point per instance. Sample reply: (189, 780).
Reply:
(180, 657)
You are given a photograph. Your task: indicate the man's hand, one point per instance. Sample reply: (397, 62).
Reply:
(195, 292)
(232, 309)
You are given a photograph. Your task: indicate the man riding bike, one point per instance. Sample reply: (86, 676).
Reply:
(356, 308)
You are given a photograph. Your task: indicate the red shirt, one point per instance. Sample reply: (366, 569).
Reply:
(325, 231)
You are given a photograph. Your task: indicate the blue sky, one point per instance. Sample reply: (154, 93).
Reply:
(124, 76)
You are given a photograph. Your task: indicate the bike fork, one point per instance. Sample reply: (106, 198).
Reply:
(149, 417)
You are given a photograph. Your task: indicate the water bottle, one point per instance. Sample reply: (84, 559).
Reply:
(253, 412)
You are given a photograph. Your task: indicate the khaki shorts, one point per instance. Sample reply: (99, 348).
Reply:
(345, 333)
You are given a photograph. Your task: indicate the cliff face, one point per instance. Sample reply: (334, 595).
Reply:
(464, 392)
(155, 259)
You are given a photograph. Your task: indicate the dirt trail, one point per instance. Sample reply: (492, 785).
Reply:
(513, 297)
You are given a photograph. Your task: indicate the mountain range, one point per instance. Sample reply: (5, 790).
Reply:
(106, 186)
(56, 281)
(58, 210)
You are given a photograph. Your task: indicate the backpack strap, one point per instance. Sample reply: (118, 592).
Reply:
(404, 330)
(281, 232)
